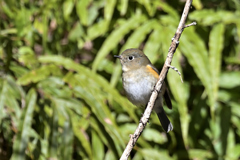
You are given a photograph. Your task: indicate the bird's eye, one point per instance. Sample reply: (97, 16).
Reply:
(130, 58)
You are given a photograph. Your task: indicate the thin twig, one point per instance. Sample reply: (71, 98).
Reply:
(191, 24)
(175, 69)
(147, 113)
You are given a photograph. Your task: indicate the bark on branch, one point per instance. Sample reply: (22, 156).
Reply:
(171, 51)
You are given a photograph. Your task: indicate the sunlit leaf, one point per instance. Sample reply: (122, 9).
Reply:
(153, 135)
(98, 148)
(209, 16)
(38, 74)
(98, 29)
(108, 9)
(153, 44)
(229, 79)
(197, 4)
(155, 154)
(215, 55)
(82, 11)
(196, 153)
(123, 7)
(26, 56)
(115, 37)
(67, 8)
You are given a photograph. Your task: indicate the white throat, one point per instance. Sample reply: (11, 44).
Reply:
(124, 68)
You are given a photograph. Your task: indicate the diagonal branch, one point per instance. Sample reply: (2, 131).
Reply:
(147, 113)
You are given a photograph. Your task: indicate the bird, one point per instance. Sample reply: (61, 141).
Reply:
(139, 77)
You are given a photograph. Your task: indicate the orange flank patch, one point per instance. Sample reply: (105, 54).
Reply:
(152, 71)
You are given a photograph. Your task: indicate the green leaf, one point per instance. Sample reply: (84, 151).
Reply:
(22, 21)
(146, 3)
(27, 56)
(53, 139)
(5, 32)
(219, 129)
(18, 71)
(14, 94)
(109, 155)
(115, 37)
(197, 4)
(224, 96)
(139, 35)
(166, 8)
(72, 103)
(153, 135)
(56, 89)
(195, 153)
(156, 154)
(181, 94)
(97, 147)
(87, 90)
(235, 108)
(238, 29)
(153, 44)
(76, 33)
(109, 9)
(21, 141)
(233, 149)
(229, 79)
(82, 11)
(98, 29)
(123, 6)
(38, 74)
(7, 10)
(216, 42)
(210, 16)
(117, 70)
(94, 11)
(101, 110)
(3, 96)
(232, 60)
(67, 8)
(80, 133)
(67, 140)
(196, 53)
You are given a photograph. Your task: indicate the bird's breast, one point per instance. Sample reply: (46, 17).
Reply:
(138, 86)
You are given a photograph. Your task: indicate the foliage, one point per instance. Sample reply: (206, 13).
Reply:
(61, 94)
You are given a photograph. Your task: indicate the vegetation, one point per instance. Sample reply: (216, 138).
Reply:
(61, 94)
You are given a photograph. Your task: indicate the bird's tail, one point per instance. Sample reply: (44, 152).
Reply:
(166, 124)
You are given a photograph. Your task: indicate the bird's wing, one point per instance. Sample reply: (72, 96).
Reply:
(155, 69)
(166, 95)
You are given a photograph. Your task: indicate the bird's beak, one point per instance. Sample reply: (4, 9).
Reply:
(116, 56)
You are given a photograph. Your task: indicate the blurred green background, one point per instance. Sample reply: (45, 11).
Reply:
(61, 94)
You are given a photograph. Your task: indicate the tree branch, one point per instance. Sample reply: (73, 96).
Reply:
(171, 51)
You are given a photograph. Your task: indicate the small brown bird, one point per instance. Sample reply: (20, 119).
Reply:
(139, 77)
